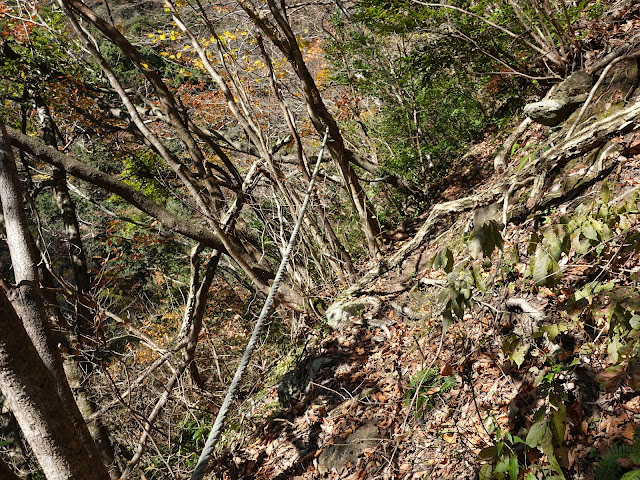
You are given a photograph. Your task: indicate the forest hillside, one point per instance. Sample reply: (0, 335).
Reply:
(382, 239)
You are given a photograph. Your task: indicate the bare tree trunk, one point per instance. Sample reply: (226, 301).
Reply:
(31, 393)
(25, 396)
(84, 317)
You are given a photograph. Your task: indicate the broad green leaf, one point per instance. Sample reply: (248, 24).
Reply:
(607, 287)
(477, 278)
(514, 468)
(444, 295)
(554, 273)
(486, 472)
(513, 257)
(436, 263)
(606, 233)
(448, 266)
(533, 243)
(552, 331)
(613, 347)
(502, 466)
(447, 319)
(488, 453)
(589, 232)
(536, 433)
(624, 223)
(605, 193)
(541, 267)
(457, 305)
(494, 238)
(466, 293)
(632, 475)
(519, 354)
(554, 243)
(444, 260)
(558, 418)
(584, 292)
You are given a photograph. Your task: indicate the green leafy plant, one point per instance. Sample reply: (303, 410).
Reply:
(426, 386)
(501, 458)
(618, 459)
(462, 280)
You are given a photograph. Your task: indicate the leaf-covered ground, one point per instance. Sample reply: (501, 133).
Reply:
(514, 355)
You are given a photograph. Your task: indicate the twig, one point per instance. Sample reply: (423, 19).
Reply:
(603, 62)
(492, 24)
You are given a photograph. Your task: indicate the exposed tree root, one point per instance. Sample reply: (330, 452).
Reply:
(547, 166)
(505, 150)
(593, 91)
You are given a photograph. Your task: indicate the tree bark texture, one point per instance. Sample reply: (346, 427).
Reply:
(26, 305)
(31, 393)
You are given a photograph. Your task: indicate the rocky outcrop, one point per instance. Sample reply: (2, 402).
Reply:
(568, 96)
(347, 310)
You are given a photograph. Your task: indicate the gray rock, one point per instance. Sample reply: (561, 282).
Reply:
(343, 311)
(553, 112)
(568, 96)
(577, 83)
(339, 454)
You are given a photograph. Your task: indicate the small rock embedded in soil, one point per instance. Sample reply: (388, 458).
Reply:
(339, 454)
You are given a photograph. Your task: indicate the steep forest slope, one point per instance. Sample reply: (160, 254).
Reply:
(461, 299)
(500, 338)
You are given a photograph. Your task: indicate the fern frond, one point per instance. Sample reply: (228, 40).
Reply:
(608, 468)
(635, 448)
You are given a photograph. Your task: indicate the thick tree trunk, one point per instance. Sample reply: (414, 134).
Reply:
(27, 306)
(31, 393)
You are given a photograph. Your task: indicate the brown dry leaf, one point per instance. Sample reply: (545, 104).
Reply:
(628, 432)
(368, 452)
(358, 475)
(386, 423)
(449, 437)
(446, 370)
(584, 427)
(387, 387)
(545, 292)
(626, 462)
(381, 398)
